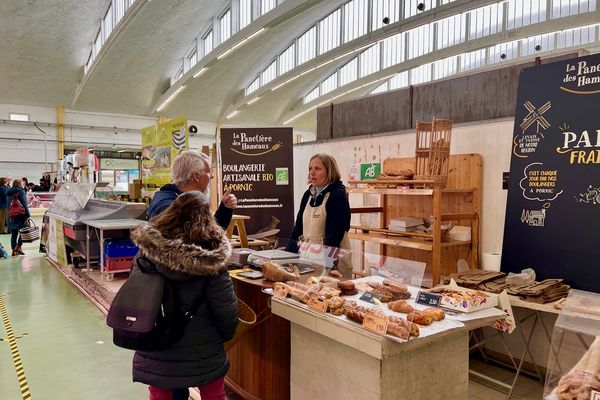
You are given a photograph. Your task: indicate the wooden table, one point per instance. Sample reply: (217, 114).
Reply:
(260, 361)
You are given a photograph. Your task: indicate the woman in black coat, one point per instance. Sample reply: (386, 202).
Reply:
(16, 223)
(186, 245)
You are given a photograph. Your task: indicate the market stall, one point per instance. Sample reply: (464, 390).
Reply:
(312, 333)
(64, 232)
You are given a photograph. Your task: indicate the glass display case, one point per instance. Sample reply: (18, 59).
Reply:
(76, 203)
(574, 362)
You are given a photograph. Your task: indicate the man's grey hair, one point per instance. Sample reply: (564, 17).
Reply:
(186, 164)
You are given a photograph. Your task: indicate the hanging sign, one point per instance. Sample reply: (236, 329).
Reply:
(160, 145)
(553, 207)
(257, 163)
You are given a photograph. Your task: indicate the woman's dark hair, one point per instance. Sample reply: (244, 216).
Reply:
(189, 218)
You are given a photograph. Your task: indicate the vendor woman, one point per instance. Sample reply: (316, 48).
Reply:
(324, 215)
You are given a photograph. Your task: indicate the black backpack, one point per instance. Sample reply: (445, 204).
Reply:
(143, 314)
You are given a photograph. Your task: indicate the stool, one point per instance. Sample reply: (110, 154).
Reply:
(237, 221)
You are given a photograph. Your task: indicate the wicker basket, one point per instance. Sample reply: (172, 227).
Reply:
(247, 318)
(433, 150)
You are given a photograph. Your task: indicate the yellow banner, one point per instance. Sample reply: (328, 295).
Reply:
(148, 155)
(160, 145)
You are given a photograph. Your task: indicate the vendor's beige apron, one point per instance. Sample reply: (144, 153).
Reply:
(313, 231)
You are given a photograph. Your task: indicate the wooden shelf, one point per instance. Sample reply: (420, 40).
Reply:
(405, 192)
(459, 201)
(396, 182)
(407, 242)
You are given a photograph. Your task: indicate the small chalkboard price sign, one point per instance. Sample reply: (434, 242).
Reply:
(429, 299)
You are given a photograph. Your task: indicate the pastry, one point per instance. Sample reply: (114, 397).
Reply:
(355, 315)
(436, 314)
(347, 288)
(409, 326)
(420, 318)
(346, 285)
(397, 330)
(328, 292)
(314, 283)
(338, 311)
(401, 306)
(328, 281)
(336, 302)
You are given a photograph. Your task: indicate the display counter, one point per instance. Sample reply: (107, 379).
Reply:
(295, 352)
(260, 361)
(64, 232)
(333, 357)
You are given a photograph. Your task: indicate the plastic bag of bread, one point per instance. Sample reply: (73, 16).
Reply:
(277, 273)
(584, 377)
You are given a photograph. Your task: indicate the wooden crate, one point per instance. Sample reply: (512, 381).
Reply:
(433, 150)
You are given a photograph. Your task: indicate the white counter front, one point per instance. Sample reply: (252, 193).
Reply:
(333, 359)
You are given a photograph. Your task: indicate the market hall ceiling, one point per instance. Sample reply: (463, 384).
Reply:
(45, 44)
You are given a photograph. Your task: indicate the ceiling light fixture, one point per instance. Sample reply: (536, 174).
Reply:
(335, 97)
(121, 151)
(233, 114)
(323, 64)
(171, 97)
(254, 100)
(197, 74)
(241, 42)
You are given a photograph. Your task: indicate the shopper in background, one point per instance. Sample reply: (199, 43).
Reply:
(324, 215)
(191, 171)
(15, 223)
(25, 182)
(185, 244)
(3, 205)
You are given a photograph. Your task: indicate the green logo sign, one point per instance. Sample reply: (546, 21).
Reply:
(282, 176)
(369, 171)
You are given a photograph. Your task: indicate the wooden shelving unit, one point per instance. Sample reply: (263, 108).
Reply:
(460, 201)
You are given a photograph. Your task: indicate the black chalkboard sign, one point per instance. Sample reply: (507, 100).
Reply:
(553, 209)
(428, 299)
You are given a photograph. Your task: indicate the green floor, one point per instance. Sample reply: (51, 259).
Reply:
(68, 351)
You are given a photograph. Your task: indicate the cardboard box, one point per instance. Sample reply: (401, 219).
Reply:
(406, 222)
(466, 300)
(135, 190)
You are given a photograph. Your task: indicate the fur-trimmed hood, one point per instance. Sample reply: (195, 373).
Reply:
(178, 256)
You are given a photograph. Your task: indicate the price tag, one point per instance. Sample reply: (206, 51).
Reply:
(370, 297)
(376, 324)
(318, 304)
(429, 299)
(281, 291)
(595, 395)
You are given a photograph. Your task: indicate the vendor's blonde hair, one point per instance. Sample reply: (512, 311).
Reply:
(333, 172)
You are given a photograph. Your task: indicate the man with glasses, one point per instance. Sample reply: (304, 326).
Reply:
(191, 171)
